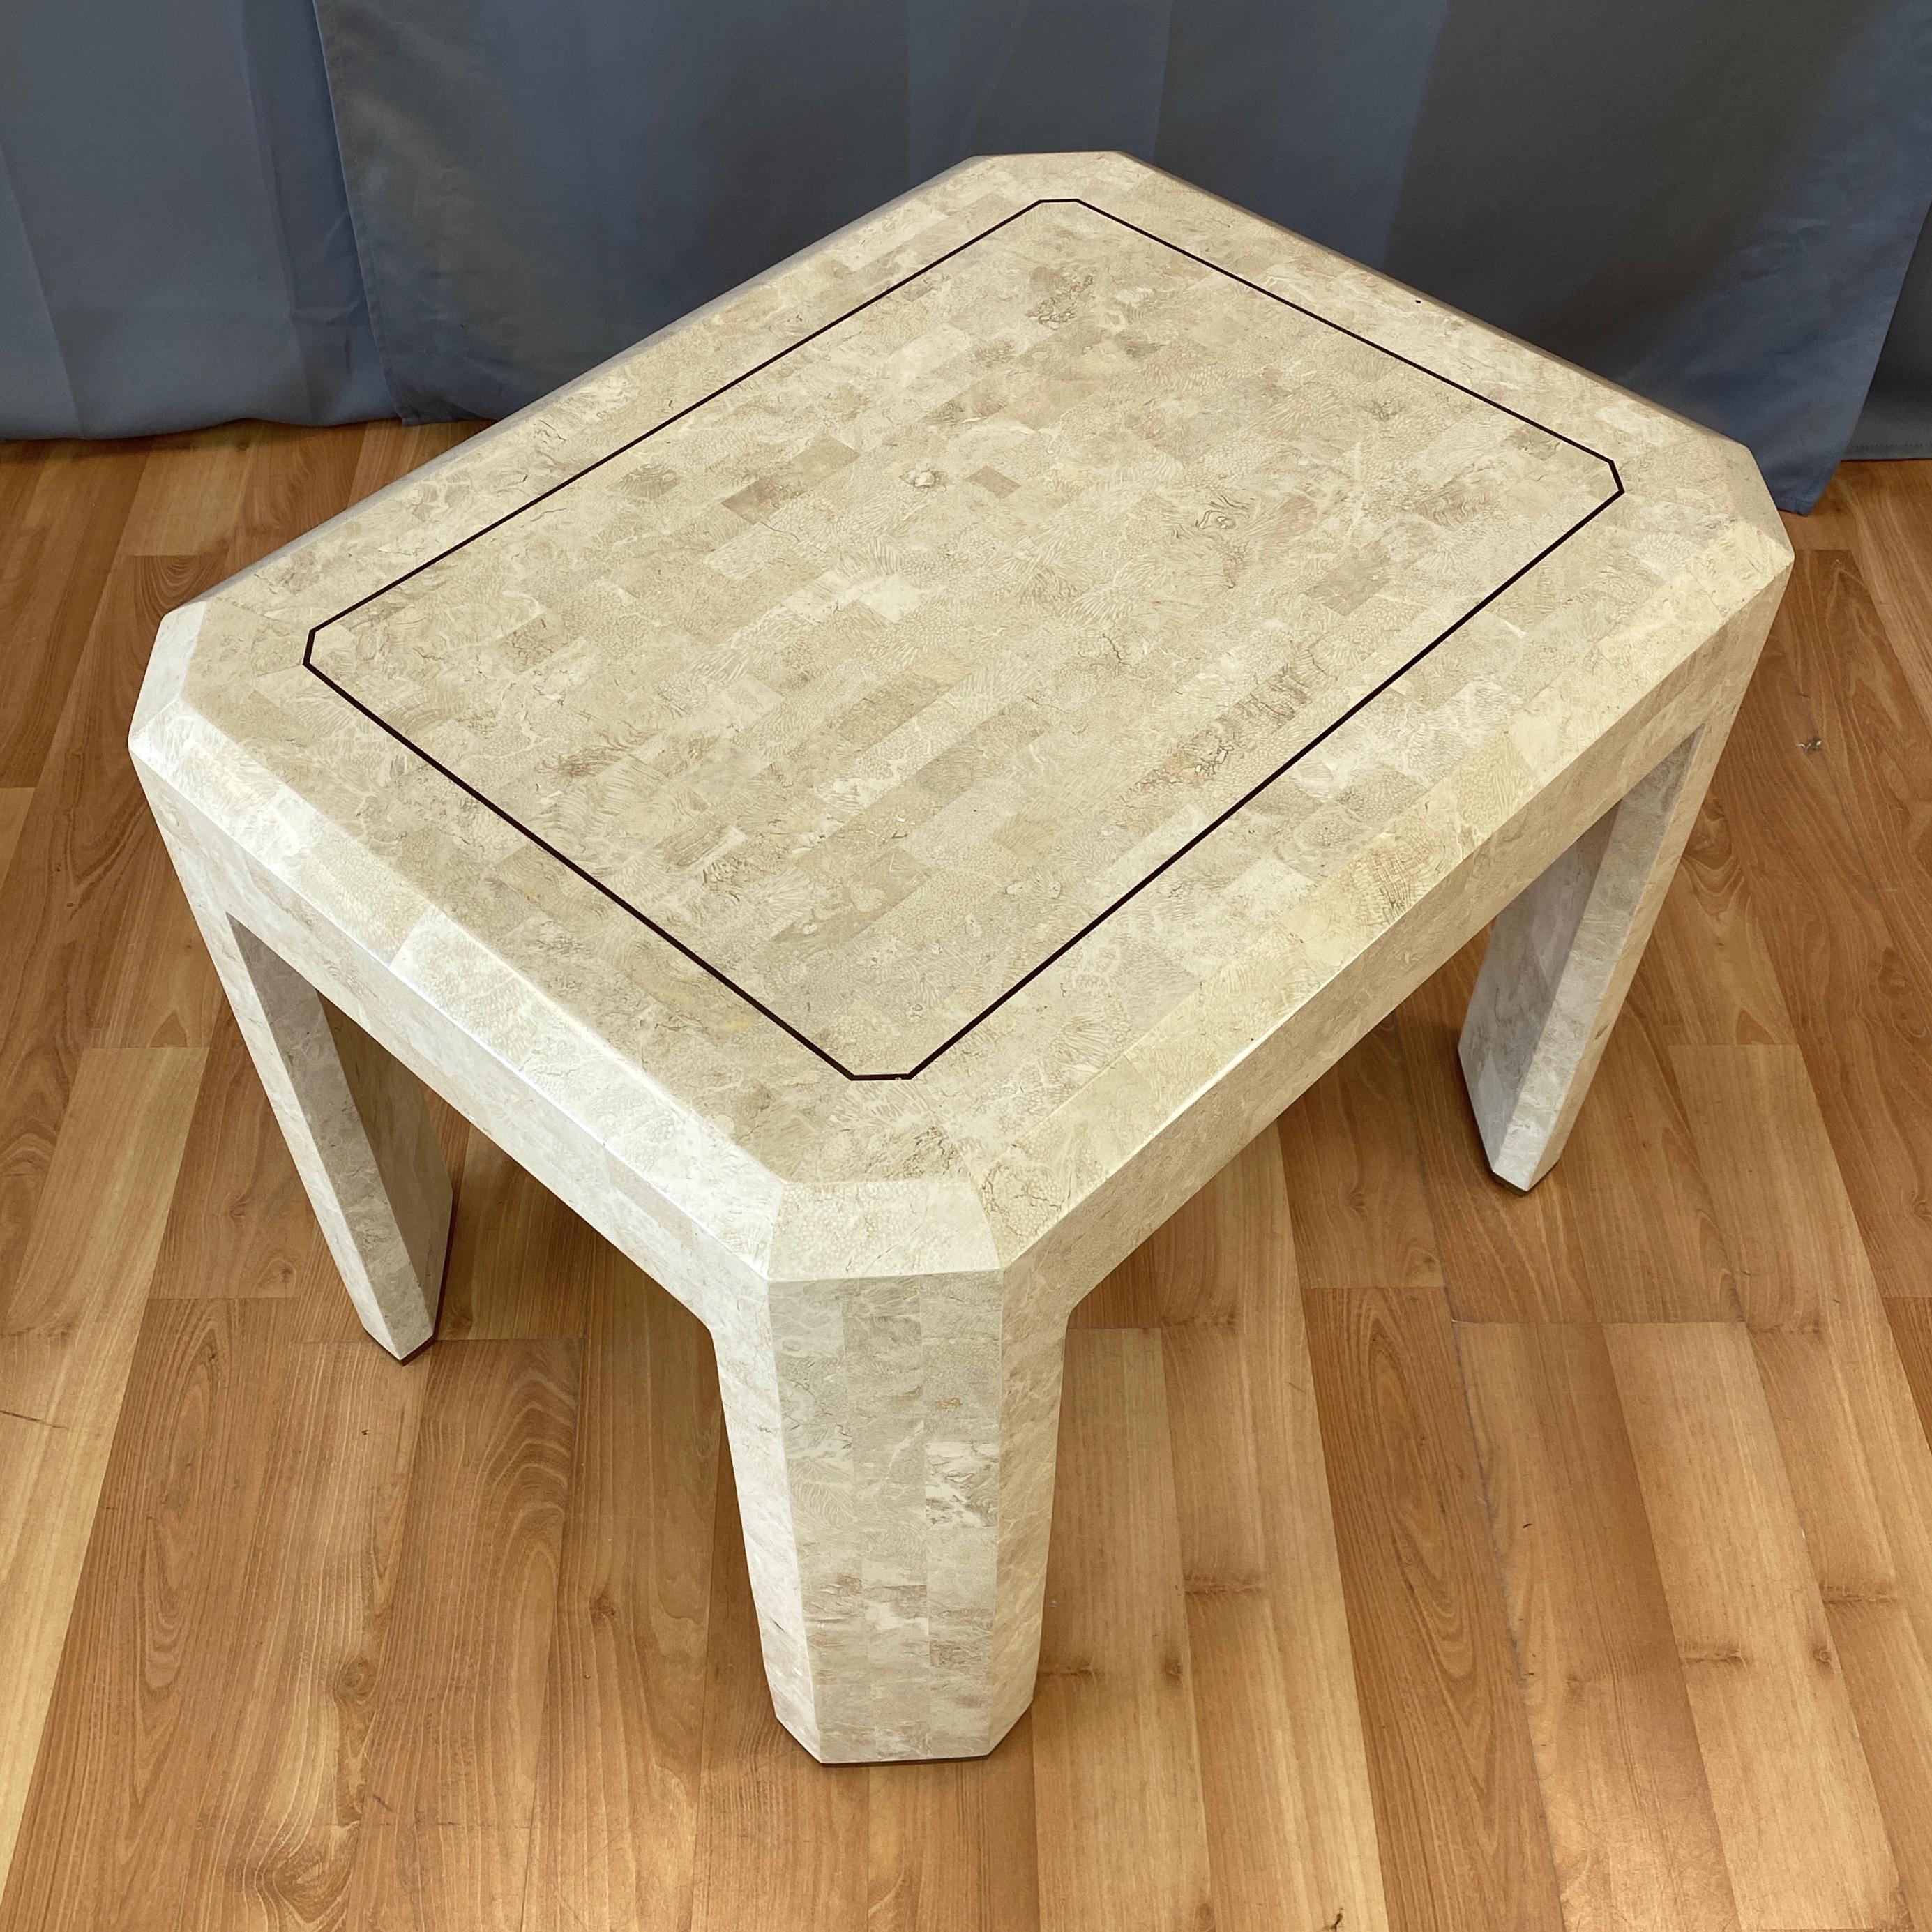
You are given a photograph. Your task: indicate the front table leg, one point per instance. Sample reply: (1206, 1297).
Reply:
(893, 1450)
(359, 1128)
(1561, 958)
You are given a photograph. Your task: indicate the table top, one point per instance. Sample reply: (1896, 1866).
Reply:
(975, 675)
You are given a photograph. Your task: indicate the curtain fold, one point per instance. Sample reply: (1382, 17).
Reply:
(1896, 420)
(175, 245)
(1714, 202)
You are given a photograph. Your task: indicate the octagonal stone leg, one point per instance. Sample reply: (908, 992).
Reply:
(356, 1122)
(892, 1442)
(1561, 958)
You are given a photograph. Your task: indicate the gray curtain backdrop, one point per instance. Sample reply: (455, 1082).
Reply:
(174, 246)
(1897, 418)
(1713, 201)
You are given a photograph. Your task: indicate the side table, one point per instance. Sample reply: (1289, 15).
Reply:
(876, 794)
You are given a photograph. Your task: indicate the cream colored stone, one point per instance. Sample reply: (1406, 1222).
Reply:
(356, 1123)
(874, 795)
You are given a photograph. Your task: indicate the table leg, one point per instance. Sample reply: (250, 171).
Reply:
(892, 1444)
(1561, 958)
(359, 1128)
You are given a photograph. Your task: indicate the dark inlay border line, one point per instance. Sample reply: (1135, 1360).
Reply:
(1254, 791)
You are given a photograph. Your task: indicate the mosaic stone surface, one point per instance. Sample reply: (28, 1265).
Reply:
(878, 676)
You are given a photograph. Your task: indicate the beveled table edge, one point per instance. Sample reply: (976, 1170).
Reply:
(863, 1225)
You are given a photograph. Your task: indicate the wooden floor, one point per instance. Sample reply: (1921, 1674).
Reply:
(1426, 1556)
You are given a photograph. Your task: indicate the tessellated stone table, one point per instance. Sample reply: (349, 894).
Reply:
(874, 795)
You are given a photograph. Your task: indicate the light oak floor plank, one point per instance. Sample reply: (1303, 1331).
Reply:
(70, 911)
(953, 1847)
(1860, 1467)
(618, 1790)
(136, 1720)
(286, 1792)
(1873, 739)
(1189, 1270)
(1631, 1819)
(520, 1263)
(1113, 1728)
(452, 1762)
(1774, 1183)
(163, 990)
(1864, 1023)
(20, 465)
(67, 1329)
(1505, 1256)
(1707, 979)
(239, 1223)
(1284, 1772)
(1829, 525)
(1889, 509)
(61, 537)
(1652, 1248)
(1803, 1838)
(1911, 1323)
(1360, 1210)
(191, 490)
(294, 479)
(259, 486)
(13, 803)
(1463, 1837)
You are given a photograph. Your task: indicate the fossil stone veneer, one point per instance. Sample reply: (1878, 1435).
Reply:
(875, 794)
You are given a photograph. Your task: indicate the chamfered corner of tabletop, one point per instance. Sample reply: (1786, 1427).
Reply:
(166, 673)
